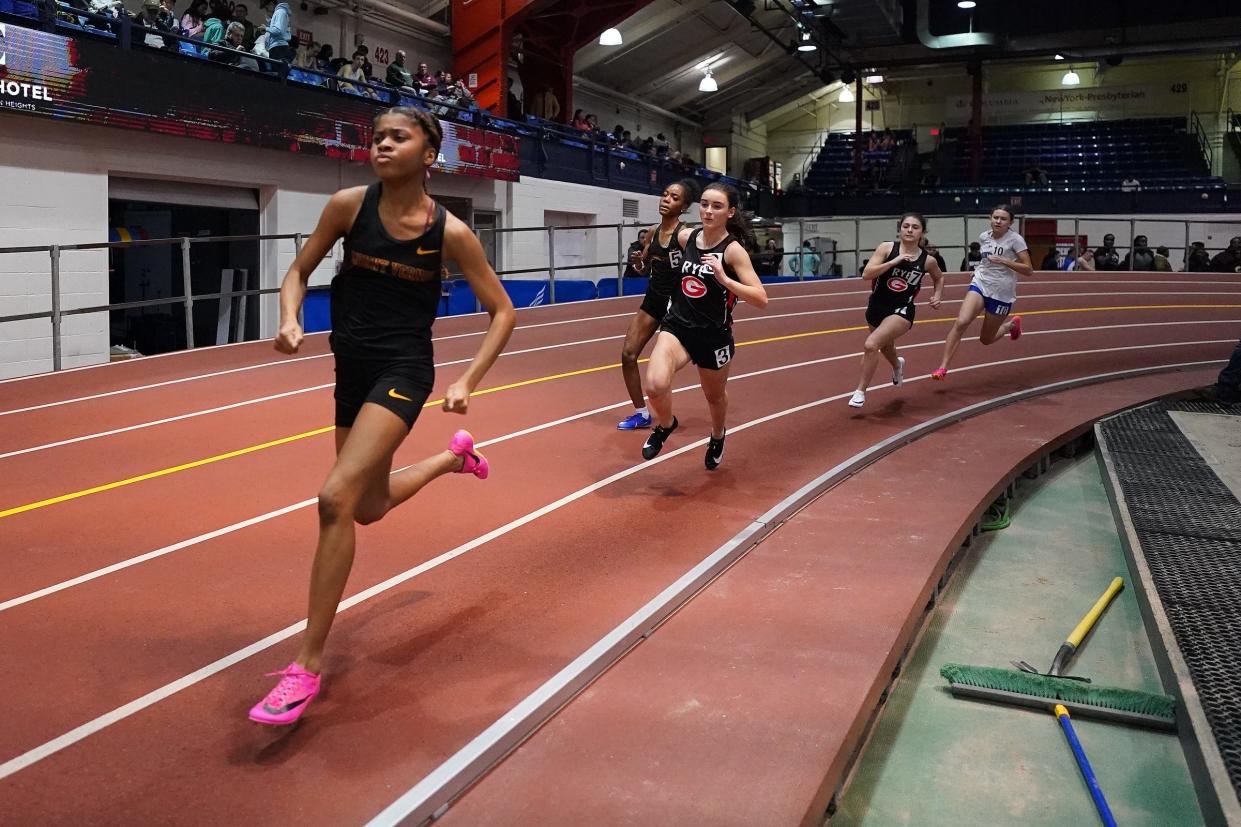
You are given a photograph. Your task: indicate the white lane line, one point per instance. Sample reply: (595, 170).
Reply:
(771, 317)
(957, 282)
(220, 532)
(431, 796)
(79, 733)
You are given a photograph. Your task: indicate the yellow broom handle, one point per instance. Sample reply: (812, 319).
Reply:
(1083, 628)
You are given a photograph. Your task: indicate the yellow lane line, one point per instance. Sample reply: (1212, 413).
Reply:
(163, 472)
(549, 378)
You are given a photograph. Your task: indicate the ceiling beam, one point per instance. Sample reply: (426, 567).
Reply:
(732, 73)
(637, 34)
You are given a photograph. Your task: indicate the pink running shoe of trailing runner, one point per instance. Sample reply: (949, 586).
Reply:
(289, 699)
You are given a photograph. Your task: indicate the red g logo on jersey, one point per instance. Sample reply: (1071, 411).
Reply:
(693, 287)
(897, 285)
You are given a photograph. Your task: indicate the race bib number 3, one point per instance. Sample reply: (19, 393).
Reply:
(721, 357)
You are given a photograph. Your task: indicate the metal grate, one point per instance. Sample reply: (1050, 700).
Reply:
(629, 208)
(1189, 526)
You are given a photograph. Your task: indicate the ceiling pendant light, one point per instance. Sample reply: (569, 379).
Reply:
(1070, 78)
(846, 95)
(610, 37)
(708, 84)
(806, 45)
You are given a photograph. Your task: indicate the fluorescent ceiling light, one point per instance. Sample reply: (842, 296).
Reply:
(846, 95)
(610, 37)
(874, 78)
(966, 4)
(1059, 57)
(1070, 79)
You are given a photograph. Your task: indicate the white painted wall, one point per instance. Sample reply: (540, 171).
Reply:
(54, 189)
(537, 202)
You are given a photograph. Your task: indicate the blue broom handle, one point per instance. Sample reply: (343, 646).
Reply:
(1105, 812)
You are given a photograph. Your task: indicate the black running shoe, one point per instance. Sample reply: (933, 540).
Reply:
(715, 452)
(655, 442)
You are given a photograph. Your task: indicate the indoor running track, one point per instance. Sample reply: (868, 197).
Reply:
(157, 525)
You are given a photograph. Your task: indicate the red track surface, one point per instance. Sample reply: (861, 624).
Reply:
(418, 669)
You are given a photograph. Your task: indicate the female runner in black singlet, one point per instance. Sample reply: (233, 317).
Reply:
(661, 259)
(895, 272)
(715, 272)
(384, 301)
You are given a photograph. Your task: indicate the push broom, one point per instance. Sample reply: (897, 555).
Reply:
(1078, 695)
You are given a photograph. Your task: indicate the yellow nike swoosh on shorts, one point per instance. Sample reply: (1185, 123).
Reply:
(423, 252)
(392, 392)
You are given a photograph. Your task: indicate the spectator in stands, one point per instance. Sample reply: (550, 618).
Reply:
(213, 35)
(661, 145)
(465, 98)
(1162, 265)
(1198, 260)
(1084, 262)
(323, 58)
(423, 79)
(195, 19)
(368, 71)
(398, 75)
(155, 16)
(1051, 261)
(1130, 184)
(634, 255)
(806, 262)
(260, 42)
(872, 141)
(933, 252)
(545, 104)
(795, 187)
(280, 34)
(972, 256)
(1229, 261)
(305, 56)
(578, 121)
(1141, 258)
(234, 39)
(1034, 176)
(772, 258)
(595, 132)
(1106, 257)
(887, 142)
(353, 71)
(241, 15)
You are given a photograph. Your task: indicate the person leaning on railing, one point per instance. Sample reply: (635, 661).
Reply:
(279, 34)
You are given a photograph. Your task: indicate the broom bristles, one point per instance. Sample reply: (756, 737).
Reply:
(1060, 689)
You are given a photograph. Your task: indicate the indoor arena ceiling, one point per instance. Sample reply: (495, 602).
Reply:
(749, 44)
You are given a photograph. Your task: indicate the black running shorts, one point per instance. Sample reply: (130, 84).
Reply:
(707, 348)
(402, 387)
(876, 312)
(655, 305)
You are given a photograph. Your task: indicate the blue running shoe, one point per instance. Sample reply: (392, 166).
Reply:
(634, 421)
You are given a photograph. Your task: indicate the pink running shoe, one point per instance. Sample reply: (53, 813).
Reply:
(474, 463)
(1014, 332)
(286, 703)
(939, 374)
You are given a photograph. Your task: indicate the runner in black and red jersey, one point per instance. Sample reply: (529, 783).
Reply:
(715, 272)
(896, 270)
